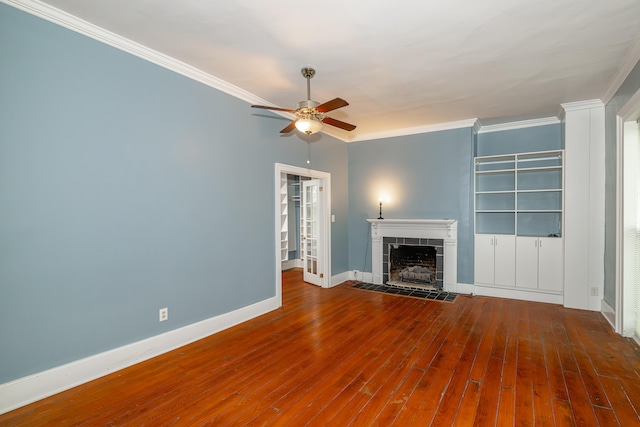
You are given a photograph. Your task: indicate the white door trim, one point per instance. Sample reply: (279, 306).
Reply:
(325, 216)
(629, 112)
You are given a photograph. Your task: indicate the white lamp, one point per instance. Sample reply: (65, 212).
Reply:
(308, 126)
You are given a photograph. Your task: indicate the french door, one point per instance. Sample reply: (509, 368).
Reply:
(310, 231)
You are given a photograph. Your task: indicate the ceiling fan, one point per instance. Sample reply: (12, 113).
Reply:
(310, 114)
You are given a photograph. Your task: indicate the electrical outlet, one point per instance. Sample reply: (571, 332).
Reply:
(164, 314)
(356, 273)
(594, 292)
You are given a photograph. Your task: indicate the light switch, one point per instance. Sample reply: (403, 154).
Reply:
(333, 218)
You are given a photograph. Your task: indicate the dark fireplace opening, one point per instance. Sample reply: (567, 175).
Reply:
(414, 266)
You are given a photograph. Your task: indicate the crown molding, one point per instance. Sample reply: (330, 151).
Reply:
(561, 114)
(519, 125)
(469, 123)
(630, 61)
(582, 105)
(88, 29)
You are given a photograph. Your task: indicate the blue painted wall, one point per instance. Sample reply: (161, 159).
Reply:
(125, 188)
(421, 176)
(628, 88)
(537, 138)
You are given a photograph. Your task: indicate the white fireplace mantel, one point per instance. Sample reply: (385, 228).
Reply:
(445, 229)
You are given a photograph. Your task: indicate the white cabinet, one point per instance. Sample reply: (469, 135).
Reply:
(539, 263)
(551, 264)
(495, 259)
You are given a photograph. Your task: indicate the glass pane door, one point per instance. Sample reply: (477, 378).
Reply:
(311, 231)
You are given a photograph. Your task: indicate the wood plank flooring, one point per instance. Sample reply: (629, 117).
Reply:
(344, 356)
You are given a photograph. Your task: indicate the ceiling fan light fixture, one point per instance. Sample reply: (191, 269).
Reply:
(310, 114)
(308, 126)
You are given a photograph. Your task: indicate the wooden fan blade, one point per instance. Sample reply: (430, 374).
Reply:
(265, 107)
(334, 104)
(291, 126)
(338, 124)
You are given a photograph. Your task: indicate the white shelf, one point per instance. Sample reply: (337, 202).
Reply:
(496, 171)
(498, 192)
(539, 168)
(538, 210)
(542, 190)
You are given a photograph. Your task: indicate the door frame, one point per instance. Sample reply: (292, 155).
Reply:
(623, 304)
(324, 216)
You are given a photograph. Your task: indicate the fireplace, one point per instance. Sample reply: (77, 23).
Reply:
(420, 238)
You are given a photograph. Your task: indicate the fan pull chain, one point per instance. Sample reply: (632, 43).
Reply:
(308, 149)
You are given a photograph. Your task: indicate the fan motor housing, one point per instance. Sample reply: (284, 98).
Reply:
(308, 104)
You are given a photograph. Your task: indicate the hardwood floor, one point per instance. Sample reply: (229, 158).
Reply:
(344, 356)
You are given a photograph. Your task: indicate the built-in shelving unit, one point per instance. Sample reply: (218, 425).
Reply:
(519, 205)
(520, 194)
(284, 218)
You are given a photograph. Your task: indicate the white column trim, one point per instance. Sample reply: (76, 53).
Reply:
(582, 105)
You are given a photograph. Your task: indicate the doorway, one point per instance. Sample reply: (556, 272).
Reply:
(315, 225)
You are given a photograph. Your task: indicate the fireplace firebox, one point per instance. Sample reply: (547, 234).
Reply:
(413, 262)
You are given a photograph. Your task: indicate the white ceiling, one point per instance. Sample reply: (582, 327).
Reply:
(400, 64)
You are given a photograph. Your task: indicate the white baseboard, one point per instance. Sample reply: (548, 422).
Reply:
(518, 294)
(464, 288)
(360, 276)
(292, 263)
(609, 313)
(340, 278)
(23, 391)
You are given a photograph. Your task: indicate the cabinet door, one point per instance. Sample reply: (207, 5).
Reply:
(505, 260)
(527, 262)
(550, 264)
(484, 259)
